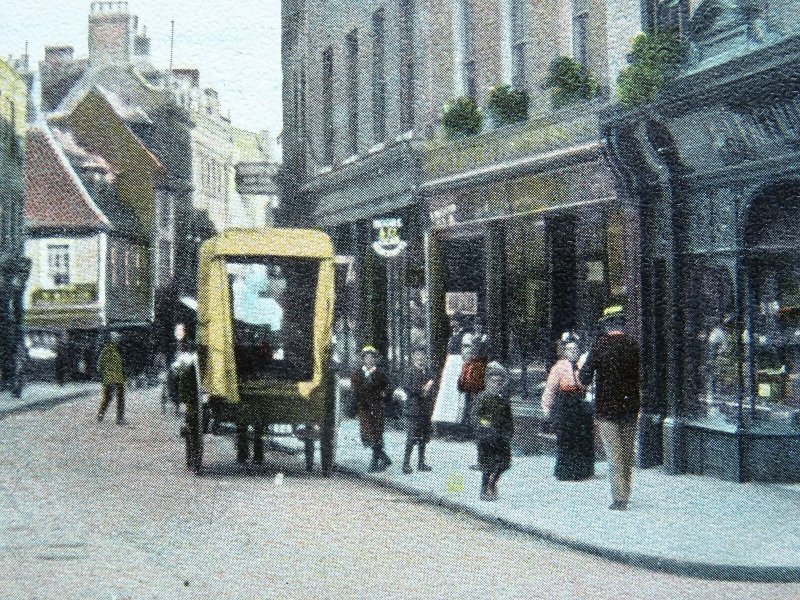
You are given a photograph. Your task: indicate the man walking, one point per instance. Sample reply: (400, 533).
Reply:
(112, 377)
(614, 362)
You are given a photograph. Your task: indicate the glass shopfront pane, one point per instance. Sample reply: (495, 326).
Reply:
(711, 354)
(775, 338)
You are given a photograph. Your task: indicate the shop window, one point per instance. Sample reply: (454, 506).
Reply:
(711, 354)
(773, 339)
(378, 77)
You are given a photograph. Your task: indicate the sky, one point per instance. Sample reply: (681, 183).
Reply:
(235, 45)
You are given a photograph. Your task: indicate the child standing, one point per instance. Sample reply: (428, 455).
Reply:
(495, 429)
(419, 387)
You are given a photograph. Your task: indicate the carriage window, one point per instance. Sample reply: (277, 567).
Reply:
(273, 304)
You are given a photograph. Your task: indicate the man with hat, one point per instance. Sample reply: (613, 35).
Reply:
(613, 362)
(495, 429)
(370, 388)
(112, 377)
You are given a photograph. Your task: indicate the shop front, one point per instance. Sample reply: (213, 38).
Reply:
(533, 252)
(714, 178)
(371, 211)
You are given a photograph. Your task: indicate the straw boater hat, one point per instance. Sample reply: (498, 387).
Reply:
(495, 368)
(369, 350)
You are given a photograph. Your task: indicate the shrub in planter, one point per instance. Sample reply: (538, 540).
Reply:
(462, 117)
(507, 105)
(654, 60)
(569, 81)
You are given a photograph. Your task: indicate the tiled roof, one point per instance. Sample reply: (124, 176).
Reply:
(54, 195)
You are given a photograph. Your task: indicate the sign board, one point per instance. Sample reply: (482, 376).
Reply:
(388, 243)
(465, 303)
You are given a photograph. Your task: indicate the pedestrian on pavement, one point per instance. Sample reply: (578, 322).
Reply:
(564, 401)
(419, 409)
(449, 400)
(62, 359)
(613, 361)
(495, 429)
(371, 387)
(112, 377)
(471, 382)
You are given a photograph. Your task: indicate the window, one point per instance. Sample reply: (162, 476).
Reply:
(378, 77)
(406, 20)
(352, 92)
(272, 323)
(580, 22)
(518, 35)
(58, 264)
(327, 106)
(164, 261)
(164, 208)
(467, 47)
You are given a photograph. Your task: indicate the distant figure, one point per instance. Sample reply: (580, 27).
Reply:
(370, 388)
(112, 377)
(61, 360)
(564, 401)
(449, 405)
(419, 387)
(614, 363)
(495, 429)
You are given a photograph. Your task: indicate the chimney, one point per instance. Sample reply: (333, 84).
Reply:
(110, 33)
(58, 54)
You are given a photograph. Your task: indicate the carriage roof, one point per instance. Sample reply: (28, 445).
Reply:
(270, 241)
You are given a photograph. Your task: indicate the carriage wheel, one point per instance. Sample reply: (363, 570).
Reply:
(327, 448)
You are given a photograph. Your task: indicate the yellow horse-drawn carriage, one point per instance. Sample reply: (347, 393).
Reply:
(264, 311)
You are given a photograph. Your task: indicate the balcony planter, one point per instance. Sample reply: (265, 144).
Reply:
(462, 117)
(654, 60)
(569, 81)
(507, 105)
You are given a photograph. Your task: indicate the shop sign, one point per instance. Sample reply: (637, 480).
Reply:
(388, 243)
(465, 303)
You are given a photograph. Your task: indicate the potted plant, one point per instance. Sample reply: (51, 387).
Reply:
(569, 81)
(462, 117)
(654, 59)
(507, 105)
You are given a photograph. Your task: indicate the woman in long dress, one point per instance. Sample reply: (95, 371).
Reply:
(449, 400)
(564, 402)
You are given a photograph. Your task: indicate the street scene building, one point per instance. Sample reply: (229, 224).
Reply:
(511, 288)
(14, 267)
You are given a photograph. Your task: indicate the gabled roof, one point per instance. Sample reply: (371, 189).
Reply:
(69, 187)
(54, 194)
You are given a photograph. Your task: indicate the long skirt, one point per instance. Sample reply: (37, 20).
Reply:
(449, 406)
(574, 426)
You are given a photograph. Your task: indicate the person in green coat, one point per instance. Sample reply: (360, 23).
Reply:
(112, 377)
(495, 429)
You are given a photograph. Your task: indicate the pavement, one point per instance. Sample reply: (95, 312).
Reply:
(686, 525)
(43, 395)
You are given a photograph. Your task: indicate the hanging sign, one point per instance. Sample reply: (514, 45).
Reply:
(388, 242)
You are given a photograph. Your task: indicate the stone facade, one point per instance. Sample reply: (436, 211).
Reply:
(14, 267)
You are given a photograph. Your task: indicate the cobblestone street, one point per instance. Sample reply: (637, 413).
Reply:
(93, 510)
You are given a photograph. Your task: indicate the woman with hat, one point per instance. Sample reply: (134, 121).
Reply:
(370, 388)
(564, 402)
(495, 429)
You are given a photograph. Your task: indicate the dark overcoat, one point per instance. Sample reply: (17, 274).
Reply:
(370, 394)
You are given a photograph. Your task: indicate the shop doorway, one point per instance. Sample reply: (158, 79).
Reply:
(563, 283)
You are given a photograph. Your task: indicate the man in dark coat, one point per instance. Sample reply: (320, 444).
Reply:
(614, 363)
(112, 377)
(370, 388)
(419, 410)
